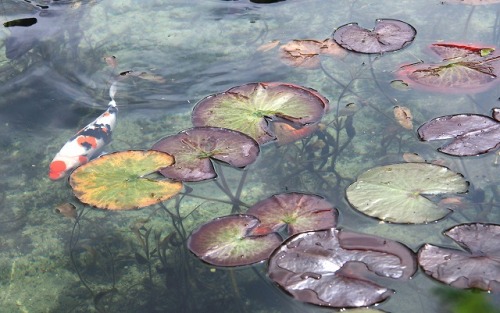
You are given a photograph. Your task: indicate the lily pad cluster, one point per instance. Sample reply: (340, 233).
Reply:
(337, 268)
(244, 239)
(463, 69)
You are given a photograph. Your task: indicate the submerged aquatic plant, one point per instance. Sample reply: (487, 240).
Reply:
(397, 193)
(253, 108)
(476, 267)
(388, 35)
(473, 134)
(117, 181)
(463, 69)
(337, 268)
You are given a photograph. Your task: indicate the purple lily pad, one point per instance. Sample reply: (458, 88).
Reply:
(254, 107)
(195, 148)
(464, 69)
(476, 267)
(337, 268)
(472, 134)
(298, 212)
(388, 35)
(225, 241)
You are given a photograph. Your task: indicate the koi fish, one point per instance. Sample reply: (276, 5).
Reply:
(86, 143)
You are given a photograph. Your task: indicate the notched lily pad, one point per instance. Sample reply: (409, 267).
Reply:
(472, 134)
(337, 268)
(195, 148)
(476, 267)
(117, 181)
(225, 241)
(388, 35)
(396, 193)
(297, 212)
(251, 108)
(464, 69)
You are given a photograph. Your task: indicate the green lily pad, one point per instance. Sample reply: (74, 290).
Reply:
(226, 241)
(116, 181)
(252, 108)
(396, 193)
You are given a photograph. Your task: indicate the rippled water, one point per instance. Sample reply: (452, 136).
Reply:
(54, 80)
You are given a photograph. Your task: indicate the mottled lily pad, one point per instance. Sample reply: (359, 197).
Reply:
(297, 211)
(476, 267)
(396, 193)
(338, 268)
(472, 134)
(117, 181)
(195, 148)
(464, 69)
(388, 35)
(251, 108)
(225, 241)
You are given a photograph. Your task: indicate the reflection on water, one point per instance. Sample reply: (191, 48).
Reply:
(54, 80)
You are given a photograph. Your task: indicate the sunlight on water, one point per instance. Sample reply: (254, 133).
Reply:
(169, 54)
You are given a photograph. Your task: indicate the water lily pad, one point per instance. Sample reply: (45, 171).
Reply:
(117, 181)
(195, 148)
(388, 35)
(464, 69)
(476, 267)
(472, 134)
(252, 107)
(225, 241)
(305, 52)
(297, 211)
(338, 268)
(396, 193)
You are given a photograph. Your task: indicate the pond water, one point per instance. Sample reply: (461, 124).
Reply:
(54, 80)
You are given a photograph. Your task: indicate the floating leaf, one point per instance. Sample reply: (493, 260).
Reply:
(403, 116)
(473, 134)
(252, 107)
(337, 268)
(116, 181)
(476, 267)
(225, 241)
(388, 35)
(464, 69)
(297, 211)
(396, 193)
(305, 52)
(195, 148)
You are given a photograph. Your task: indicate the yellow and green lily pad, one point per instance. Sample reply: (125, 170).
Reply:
(398, 193)
(117, 181)
(253, 108)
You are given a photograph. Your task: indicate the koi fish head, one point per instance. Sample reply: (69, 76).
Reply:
(59, 168)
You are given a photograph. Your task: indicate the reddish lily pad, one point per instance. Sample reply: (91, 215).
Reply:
(464, 69)
(388, 35)
(117, 181)
(195, 148)
(298, 212)
(251, 108)
(225, 241)
(337, 268)
(473, 134)
(305, 52)
(476, 267)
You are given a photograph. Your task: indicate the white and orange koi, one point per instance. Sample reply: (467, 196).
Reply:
(86, 143)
